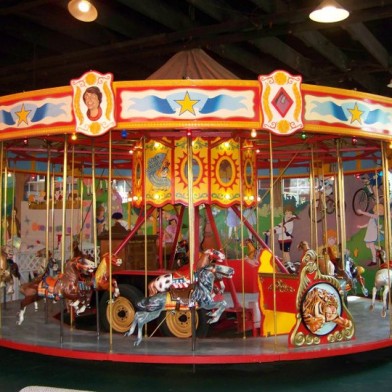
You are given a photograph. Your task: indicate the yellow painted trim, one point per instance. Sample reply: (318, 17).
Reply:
(284, 322)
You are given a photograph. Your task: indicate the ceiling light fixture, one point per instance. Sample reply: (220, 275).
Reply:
(329, 11)
(390, 84)
(83, 10)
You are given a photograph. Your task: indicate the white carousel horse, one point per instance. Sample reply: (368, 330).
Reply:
(382, 280)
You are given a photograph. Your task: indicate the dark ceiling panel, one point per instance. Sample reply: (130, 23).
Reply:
(43, 46)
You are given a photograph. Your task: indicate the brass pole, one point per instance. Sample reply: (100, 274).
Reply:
(72, 197)
(47, 190)
(340, 206)
(63, 231)
(5, 201)
(242, 246)
(191, 234)
(1, 218)
(313, 207)
(110, 242)
(272, 238)
(94, 201)
(63, 220)
(387, 218)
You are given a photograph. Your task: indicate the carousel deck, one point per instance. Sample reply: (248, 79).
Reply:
(48, 338)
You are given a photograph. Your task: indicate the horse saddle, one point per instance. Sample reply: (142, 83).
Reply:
(46, 287)
(181, 295)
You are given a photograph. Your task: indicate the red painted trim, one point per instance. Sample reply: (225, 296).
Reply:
(193, 358)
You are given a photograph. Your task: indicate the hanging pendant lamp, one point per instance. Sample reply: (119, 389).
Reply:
(83, 10)
(329, 11)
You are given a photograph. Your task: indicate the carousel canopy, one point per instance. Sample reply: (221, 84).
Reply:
(192, 64)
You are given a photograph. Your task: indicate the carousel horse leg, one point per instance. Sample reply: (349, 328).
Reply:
(215, 314)
(141, 318)
(384, 301)
(20, 316)
(374, 293)
(116, 291)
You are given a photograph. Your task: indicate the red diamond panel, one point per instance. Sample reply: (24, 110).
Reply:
(282, 102)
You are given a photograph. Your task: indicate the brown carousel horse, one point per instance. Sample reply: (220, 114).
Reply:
(74, 285)
(8, 271)
(200, 295)
(252, 251)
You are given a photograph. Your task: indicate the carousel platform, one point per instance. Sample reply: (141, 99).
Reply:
(50, 337)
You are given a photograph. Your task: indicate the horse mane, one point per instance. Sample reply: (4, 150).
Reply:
(204, 259)
(102, 267)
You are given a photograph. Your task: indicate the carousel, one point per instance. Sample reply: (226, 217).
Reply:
(194, 220)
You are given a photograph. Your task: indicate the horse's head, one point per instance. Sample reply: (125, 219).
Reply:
(113, 259)
(248, 242)
(215, 255)
(223, 271)
(382, 255)
(84, 265)
(303, 245)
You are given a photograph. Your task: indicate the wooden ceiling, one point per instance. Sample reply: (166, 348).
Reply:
(42, 45)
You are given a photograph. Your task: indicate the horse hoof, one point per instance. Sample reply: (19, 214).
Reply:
(137, 342)
(371, 308)
(81, 310)
(383, 313)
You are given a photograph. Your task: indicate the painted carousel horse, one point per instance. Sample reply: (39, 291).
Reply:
(252, 251)
(8, 271)
(200, 296)
(382, 281)
(355, 274)
(80, 277)
(182, 253)
(309, 255)
(102, 274)
(181, 277)
(70, 285)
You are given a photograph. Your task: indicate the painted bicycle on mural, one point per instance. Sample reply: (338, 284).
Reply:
(324, 201)
(370, 194)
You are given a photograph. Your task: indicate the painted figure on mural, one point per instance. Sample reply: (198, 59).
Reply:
(284, 230)
(87, 182)
(233, 223)
(169, 234)
(101, 219)
(119, 221)
(158, 171)
(374, 231)
(250, 216)
(13, 225)
(92, 97)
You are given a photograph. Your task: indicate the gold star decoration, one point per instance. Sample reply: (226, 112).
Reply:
(22, 115)
(355, 114)
(187, 104)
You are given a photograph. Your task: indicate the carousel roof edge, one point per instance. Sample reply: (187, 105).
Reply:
(278, 102)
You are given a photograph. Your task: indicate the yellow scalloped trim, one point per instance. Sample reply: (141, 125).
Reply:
(267, 110)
